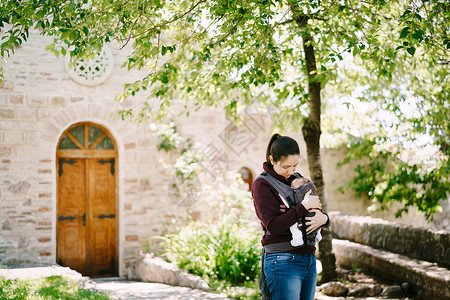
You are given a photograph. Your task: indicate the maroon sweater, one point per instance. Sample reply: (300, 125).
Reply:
(274, 216)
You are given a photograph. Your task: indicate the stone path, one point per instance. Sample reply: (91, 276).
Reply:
(122, 289)
(130, 290)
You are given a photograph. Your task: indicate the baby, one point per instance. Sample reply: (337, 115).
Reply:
(301, 186)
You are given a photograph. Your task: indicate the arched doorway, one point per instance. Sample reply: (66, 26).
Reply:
(247, 176)
(86, 231)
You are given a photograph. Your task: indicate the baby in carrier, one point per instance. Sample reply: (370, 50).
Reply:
(301, 186)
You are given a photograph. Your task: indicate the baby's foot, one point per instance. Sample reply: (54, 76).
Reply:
(297, 242)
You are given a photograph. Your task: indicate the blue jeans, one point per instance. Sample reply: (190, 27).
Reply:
(291, 276)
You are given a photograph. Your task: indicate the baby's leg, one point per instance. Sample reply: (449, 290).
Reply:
(297, 235)
(318, 236)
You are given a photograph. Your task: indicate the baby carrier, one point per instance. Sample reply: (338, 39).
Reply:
(292, 197)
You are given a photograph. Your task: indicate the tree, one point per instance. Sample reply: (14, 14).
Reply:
(409, 129)
(407, 147)
(238, 53)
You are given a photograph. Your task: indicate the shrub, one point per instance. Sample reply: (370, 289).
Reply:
(228, 250)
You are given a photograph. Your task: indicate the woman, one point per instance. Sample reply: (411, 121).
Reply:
(290, 272)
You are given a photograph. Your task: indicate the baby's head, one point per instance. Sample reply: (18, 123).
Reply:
(296, 183)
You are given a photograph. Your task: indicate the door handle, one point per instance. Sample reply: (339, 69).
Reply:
(103, 216)
(70, 218)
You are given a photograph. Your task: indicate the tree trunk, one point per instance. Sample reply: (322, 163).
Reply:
(311, 133)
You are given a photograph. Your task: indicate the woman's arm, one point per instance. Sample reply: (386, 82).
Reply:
(318, 220)
(267, 207)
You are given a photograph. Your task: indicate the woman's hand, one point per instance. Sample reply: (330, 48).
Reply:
(316, 221)
(311, 201)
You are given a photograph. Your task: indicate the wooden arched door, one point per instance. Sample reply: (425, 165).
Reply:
(86, 206)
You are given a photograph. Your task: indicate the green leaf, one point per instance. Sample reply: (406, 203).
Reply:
(418, 35)
(404, 32)
(406, 13)
(154, 51)
(411, 50)
(164, 79)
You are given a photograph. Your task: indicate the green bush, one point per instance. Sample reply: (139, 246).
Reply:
(228, 250)
(54, 287)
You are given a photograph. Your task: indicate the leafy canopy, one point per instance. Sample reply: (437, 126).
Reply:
(238, 53)
(208, 51)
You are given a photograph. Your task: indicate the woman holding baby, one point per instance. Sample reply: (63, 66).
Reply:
(289, 271)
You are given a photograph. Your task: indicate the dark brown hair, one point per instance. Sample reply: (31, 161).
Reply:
(280, 147)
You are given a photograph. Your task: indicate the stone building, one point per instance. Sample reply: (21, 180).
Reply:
(79, 186)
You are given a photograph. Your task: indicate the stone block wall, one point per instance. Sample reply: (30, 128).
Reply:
(39, 100)
(414, 242)
(426, 279)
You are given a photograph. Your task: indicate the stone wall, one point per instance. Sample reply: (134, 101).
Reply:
(414, 242)
(425, 280)
(39, 100)
(395, 252)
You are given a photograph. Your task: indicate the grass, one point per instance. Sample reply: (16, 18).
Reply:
(54, 287)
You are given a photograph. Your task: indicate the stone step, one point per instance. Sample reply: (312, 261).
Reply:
(427, 280)
(412, 241)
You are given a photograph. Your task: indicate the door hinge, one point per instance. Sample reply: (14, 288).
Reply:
(70, 218)
(103, 216)
(63, 161)
(111, 161)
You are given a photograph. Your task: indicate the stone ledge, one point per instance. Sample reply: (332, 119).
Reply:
(416, 242)
(159, 271)
(37, 271)
(31, 271)
(427, 280)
